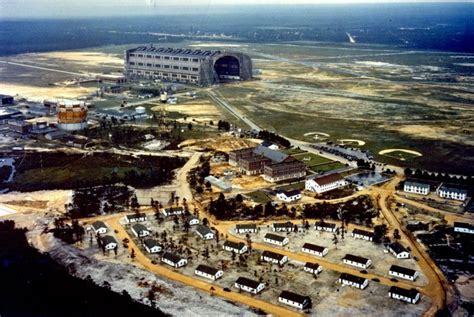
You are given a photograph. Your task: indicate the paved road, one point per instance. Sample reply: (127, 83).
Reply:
(45, 68)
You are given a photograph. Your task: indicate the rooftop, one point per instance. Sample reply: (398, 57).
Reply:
(352, 278)
(410, 293)
(150, 243)
(355, 258)
(273, 255)
(403, 270)
(328, 179)
(417, 184)
(234, 245)
(186, 52)
(207, 269)
(108, 239)
(313, 247)
(171, 257)
(275, 237)
(273, 155)
(247, 282)
(397, 247)
(294, 297)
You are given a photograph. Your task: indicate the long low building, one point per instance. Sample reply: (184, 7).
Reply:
(295, 300)
(186, 65)
(353, 281)
(314, 249)
(208, 272)
(321, 184)
(357, 261)
(403, 272)
(249, 285)
(411, 296)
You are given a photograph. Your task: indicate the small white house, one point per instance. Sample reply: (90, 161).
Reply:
(238, 248)
(140, 217)
(321, 184)
(416, 188)
(140, 230)
(173, 211)
(289, 196)
(356, 261)
(276, 239)
(463, 227)
(403, 272)
(249, 285)
(272, 257)
(283, 227)
(246, 228)
(152, 246)
(314, 249)
(411, 296)
(362, 234)
(313, 268)
(295, 300)
(324, 226)
(398, 251)
(108, 242)
(173, 260)
(454, 193)
(208, 272)
(353, 281)
(192, 220)
(99, 227)
(204, 232)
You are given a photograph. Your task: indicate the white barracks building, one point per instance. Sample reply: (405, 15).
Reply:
(325, 183)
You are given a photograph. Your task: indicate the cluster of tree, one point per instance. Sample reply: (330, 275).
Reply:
(197, 175)
(267, 135)
(5, 172)
(97, 200)
(43, 171)
(440, 177)
(233, 209)
(49, 290)
(223, 125)
(366, 165)
(68, 233)
(359, 211)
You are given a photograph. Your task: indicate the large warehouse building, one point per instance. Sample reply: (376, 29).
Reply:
(187, 65)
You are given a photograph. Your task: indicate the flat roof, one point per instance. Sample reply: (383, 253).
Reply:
(184, 52)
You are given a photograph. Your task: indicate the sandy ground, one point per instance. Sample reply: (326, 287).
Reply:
(198, 109)
(359, 142)
(83, 58)
(40, 93)
(388, 151)
(222, 143)
(436, 133)
(48, 199)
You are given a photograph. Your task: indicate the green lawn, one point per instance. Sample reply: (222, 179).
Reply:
(327, 167)
(299, 185)
(311, 159)
(292, 151)
(259, 197)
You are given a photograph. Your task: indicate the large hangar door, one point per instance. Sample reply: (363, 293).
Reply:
(227, 68)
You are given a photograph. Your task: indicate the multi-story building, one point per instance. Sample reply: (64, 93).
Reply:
(450, 192)
(274, 165)
(186, 65)
(416, 188)
(321, 184)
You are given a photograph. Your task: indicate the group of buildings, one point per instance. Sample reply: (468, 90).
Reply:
(443, 190)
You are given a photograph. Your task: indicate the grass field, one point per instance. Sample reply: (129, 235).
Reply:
(258, 197)
(311, 159)
(327, 167)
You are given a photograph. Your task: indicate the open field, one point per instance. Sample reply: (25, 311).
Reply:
(311, 159)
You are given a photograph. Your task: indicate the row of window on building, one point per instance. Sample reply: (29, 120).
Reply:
(167, 58)
(189, 78)
(176, 67)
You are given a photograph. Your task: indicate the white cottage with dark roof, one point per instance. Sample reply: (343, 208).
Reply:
(463, 227)
(237, 247)
(321, 184)
(314, 249)
(108, 242)
(246, 228)
(140, 230)
(416, 188)
(403, 272)
(283, 227)
(325, 226)
(398, 251)
(353, 281)
(313, 268)
(356, 261)
(362, 234)
(289, 196)
(204, 232)
(411, 296)
(295, 300)
(139, 217)
(152, 246)
(451, 192)
(249, 285)
(99, 227)
(272, 257)
(208, 272)
(276, 239)
(173, 260)
(173, 211)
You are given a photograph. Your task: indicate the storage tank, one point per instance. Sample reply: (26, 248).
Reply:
(164, 97)
(72, 115)
(140, 110)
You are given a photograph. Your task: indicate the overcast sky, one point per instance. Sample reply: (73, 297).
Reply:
(67, 8)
